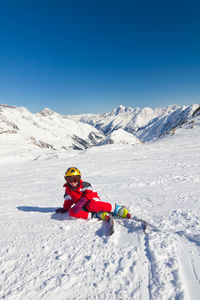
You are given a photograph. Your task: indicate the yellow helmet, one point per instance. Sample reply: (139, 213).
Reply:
(72, 171)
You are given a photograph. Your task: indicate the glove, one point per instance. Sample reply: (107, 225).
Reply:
(61, 210)
(78, 206)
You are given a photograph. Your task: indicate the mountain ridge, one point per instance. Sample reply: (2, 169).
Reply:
(46, 129)
(145, 123)
(122, 125)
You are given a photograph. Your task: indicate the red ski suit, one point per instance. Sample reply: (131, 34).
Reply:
(81, 201)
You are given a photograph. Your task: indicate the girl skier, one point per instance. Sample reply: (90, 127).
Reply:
(82, 202)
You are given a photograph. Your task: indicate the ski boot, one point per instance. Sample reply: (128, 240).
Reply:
(102, 215)
(121, 211)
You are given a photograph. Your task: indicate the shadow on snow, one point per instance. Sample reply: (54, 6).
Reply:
(36, 209)
(54, 216)
(103, 231)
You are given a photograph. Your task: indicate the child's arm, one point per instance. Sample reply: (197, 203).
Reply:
(78, 206)
(66, 205)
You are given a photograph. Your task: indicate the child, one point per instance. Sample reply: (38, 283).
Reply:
(82, 202)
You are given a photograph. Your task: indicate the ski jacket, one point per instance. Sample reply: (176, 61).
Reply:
(82, 193)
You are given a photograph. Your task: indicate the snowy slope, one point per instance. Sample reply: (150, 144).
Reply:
(48, 256)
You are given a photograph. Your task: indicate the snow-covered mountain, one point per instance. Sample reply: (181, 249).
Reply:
(127, 118)
(20, 128)
(145, 123)
(120, 136)
(46, 129)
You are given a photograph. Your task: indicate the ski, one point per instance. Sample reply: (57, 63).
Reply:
(111, 225)
(144, 223)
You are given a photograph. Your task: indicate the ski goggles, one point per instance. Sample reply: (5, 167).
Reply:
(72, 179)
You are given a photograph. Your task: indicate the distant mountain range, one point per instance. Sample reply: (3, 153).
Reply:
(46, 129)
(145, 123)
(123, 125)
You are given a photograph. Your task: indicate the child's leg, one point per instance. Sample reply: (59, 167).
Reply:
(81, 214)
(97, 206)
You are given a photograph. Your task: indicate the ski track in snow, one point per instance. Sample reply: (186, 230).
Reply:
(48, 256)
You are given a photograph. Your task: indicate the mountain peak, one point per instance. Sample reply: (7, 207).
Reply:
(121, 110)
(46, 112)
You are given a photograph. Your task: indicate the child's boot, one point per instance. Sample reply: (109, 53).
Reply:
(104, 216)
(121, 211)
(101, 215)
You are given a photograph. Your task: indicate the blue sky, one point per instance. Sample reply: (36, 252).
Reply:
(77, 56)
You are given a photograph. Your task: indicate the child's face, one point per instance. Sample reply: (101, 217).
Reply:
(74, 184)
(73, 180)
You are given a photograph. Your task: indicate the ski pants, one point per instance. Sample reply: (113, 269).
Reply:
(89, 207)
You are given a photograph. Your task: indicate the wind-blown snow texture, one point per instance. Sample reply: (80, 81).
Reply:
(44, 255)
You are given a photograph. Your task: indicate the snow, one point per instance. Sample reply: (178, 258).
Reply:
(120, 136)
(128, 118)
(48, 256)
(145, 123)
(124, 125)
(46, 129)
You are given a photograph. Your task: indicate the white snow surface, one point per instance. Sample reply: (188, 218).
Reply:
(46, 129)
(124, 125)
(120, 136)
(48, 256)
(124, 117)
(145, 123)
